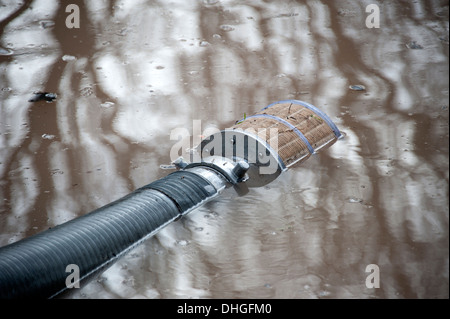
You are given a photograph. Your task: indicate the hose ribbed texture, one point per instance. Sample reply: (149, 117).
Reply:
(36, 266)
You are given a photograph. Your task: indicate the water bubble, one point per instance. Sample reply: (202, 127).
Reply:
(204, 43)
(67, 58)
(226, 27)
(357, 87)
(355, 200)
(182, 242)
(107, 104)
(48, 136)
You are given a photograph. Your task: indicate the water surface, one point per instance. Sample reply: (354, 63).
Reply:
(135, 71)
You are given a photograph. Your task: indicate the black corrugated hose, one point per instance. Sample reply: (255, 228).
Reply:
(35, 267)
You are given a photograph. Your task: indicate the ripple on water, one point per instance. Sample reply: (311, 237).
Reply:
(5, 51)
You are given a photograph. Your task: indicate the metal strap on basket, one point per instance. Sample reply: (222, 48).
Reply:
(318, 112)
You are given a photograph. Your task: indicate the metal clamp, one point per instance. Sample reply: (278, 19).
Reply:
(234, 172)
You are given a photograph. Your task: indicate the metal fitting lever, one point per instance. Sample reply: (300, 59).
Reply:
(234, 172)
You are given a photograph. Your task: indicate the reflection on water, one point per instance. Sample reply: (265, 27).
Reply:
(134, 71)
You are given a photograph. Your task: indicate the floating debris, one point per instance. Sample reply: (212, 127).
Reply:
(286, 15)
(444, 38)
(414, 46)
(167, 166)
(48, 136)
(122, 32)
(346, 13)
(357, 87)
(67, 58)
(43, 96)
(45, 24)
(56, 170)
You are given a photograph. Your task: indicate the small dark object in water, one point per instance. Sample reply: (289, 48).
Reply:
(45, 24)
(43, 96)
(413, 45)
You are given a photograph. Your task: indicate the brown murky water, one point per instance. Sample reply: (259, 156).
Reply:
(136, 70)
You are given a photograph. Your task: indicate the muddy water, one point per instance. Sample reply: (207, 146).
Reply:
(135, 71)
